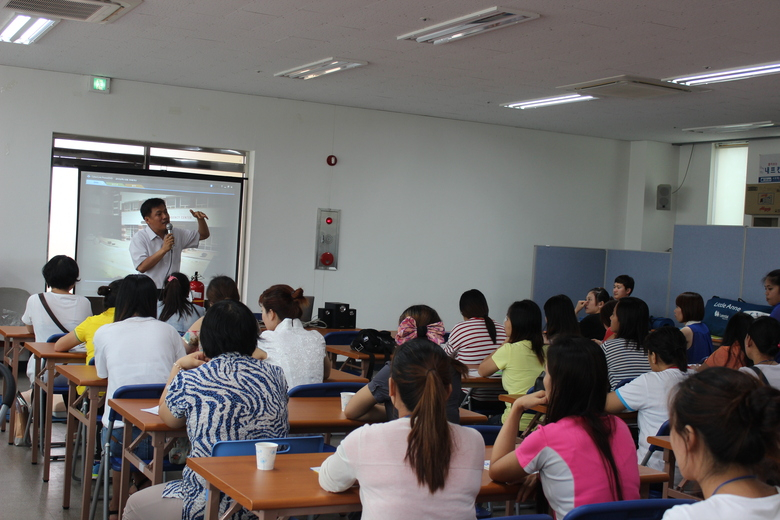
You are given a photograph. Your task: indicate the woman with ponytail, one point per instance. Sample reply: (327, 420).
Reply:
(725, 435)
(174, 306)
(521, 359)
(648, 394)
(285, 343)
(582, 455)
(762, 344)
(419, 466)
(373, 402)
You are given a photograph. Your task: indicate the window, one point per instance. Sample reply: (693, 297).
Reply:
(728, 178)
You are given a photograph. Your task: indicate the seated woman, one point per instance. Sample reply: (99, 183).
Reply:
(772, 292)
(85, 331)
(373, 402)
(690, 311)
(299, 352)
(724, 425)
(419, 466)
(471, 341)
(731, 354)
(65, 310)
(625, 358)
(560, 317)
(582, 456)
(220, 288)
(220, 394)
(648, 394)
(591, 326)
(606, 312)
(174, 306)
(521, 359)
(137, 349)
(761, 347)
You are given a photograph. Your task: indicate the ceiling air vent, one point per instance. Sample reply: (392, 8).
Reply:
(79, 10)
(630, 87)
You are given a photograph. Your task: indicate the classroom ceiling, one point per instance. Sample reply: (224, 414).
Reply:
(238, 45)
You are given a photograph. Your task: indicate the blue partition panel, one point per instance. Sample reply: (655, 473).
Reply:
(650, 272)
(572, 271)
(762, 254)
(707, 260)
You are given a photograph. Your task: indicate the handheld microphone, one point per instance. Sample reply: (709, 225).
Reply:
(168, 228)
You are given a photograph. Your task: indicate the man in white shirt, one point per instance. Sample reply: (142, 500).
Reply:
(155, 251)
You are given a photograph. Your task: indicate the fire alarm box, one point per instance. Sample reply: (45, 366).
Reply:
(327, 248)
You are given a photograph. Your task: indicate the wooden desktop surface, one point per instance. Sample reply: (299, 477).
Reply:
(346, 351)
(16, 332)
(542, 408)
(82, 375)
(662, 441)
(339, 376)
(46, 351)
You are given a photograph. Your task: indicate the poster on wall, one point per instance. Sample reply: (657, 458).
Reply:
(769, 168)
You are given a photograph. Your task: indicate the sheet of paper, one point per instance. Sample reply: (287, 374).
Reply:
(155, 410)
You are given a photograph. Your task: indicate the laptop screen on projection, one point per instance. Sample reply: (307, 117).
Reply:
(109, 215)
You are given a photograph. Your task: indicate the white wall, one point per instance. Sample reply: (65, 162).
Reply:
(693, 198)
(430, 207)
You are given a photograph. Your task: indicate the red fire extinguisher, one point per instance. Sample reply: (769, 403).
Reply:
(196, 290)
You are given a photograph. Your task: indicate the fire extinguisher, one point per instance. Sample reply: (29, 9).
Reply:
(196, 290)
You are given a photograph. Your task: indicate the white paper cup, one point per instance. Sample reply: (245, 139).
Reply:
(345, 398)
(266, 454)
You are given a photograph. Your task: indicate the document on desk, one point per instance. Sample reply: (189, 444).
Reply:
(154, 410)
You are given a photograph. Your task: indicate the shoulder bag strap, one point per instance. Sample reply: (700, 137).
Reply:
(760, 375)
(51, 314)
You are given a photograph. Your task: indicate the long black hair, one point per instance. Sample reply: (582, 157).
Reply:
(579, 386)
(174, 295)
(137, 296)
(525, 317)
(736, 330)
(473, 304)
(633, 319)
(669, 344)
(559, 311)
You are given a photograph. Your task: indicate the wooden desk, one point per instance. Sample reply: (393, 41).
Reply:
(482, 382)
(269, 493)
(46, 359)
(328, 331)
(338, 376)
(81, 375)
(542, 408)
(150, 425)
(670, 490)
(324, 415)
(344, 350)
(14, 336)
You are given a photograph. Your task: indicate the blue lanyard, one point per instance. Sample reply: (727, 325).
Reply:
(729, 481)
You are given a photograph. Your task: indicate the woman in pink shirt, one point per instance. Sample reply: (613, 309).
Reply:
(581, 455)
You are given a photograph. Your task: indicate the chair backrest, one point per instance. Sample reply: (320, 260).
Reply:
(645, 509)
(663, 430)
(54, 337)
(10, 386)
(624, 382)
(489, 432)
(308, 444)
(135, 392)
(14, 301)
(340, 337)
(324, 389)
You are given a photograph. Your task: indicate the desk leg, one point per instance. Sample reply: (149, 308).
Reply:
(124, 482)
(34, 409)
(158, 454)
(70, 433)
(212, 502)
(47, 413)
(669, 464)
(89, 451)
(14, 358)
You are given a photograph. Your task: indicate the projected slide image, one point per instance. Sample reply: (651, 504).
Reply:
(109, 216)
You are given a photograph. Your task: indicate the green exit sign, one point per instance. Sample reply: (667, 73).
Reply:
(99, 84)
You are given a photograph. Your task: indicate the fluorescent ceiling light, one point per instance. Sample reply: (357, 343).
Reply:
(544, 102)
(729, 74)
(726, 129)
(470, 25)
(321, 68)
(25, 29)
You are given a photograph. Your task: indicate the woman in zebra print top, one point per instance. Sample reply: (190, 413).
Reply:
(219, 394)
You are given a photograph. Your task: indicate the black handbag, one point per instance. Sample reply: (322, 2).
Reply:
(372, 342)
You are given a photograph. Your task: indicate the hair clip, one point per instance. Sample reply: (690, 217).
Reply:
(171, 278)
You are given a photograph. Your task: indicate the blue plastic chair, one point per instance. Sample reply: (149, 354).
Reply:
(645, 509)
(663, 430)
(524, 517)
(115, 463)
(489, 432)
(624, 382)
(307, 444)
(324, 389)
(340, 337)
